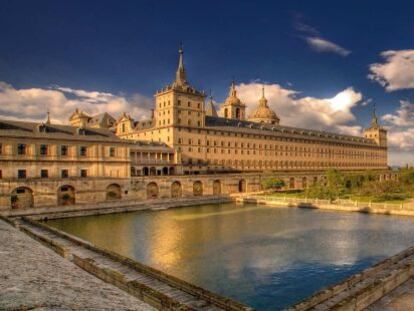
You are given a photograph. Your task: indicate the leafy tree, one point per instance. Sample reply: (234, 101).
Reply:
(273, 183)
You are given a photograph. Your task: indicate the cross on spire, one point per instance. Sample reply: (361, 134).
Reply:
(180, 78)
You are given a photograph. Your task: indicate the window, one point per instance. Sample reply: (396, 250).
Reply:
(123, 127)
(64, 150)
(1, 174)
(21, 174)
(189, 104)
(64, 174)
(84, 173)
(179, 102)
(43, 150)
(112, 151)
(1, 148)
(44, 173)
(21, 149)
(83, 151)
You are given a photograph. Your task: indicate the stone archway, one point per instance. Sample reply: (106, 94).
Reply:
(216, 187)
(197, 188)
(66, 195)
(22, 197)
(292, 183)
(242, 185)
(153, 171)
(152, 190)
(145, 171)
(165, 170)
(113, 192)
(176, 190)
(304, 183)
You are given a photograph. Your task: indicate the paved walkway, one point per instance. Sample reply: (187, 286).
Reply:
(33, 277)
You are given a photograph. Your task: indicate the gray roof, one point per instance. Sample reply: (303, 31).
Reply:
(248, 127)
(24, 129)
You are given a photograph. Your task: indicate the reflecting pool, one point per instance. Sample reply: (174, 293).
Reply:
(265, 257)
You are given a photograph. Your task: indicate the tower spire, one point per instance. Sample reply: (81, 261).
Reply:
(48, 117)
(180, 78)
(263, 100)
(233, 92)
(374, 121)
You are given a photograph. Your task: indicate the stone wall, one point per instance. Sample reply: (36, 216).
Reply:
(69, 191)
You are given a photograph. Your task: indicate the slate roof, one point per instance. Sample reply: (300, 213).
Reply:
(23, 129)
(248, 127)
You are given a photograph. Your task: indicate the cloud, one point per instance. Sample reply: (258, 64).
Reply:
(322, 45)
(33, 103)
(397, 71)
(332, 114)
(315, 40)
(400, 127)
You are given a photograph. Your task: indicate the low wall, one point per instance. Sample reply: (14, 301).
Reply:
(139, 290)
(366, 295)
(406, 209)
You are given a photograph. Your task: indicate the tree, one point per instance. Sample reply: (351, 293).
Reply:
(273, 183)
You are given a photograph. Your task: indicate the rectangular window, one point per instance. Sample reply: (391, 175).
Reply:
(21, 149)
(63, 150)
(44, 173)
(83, 151)
(112, 151)
(1, 174)
(84, 173)
(43, 150)
(21, 174)
(64, 174)
(1, 149)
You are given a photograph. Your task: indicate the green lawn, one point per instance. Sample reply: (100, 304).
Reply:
(301, 194)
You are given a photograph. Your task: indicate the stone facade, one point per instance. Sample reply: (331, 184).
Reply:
(52, 192)
(207, 142)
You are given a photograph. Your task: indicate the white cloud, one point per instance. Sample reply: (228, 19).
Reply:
(333, 114)
(397, 72)
(400, 128)
(322, 45)
(33, 103)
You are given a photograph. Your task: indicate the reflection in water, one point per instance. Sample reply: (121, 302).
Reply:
(266, 257)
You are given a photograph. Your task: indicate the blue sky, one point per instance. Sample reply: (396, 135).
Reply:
(124, 50)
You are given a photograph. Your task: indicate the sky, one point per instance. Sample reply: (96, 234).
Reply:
(324, 64)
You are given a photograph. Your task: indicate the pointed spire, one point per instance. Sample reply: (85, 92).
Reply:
(374, 120)
(211, 110)
(180, 78)
(233, 92)
(48, 117)
(263, 100)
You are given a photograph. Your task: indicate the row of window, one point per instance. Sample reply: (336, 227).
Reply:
(168, 103)
(44, 150)
(277, 164)
(320, 154)
(22, 174)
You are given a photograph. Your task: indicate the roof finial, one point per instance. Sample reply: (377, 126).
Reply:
(233, 88)
(48, 117)
(180, 75)
(374, 121)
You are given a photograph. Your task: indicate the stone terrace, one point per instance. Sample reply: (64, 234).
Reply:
(33, 277)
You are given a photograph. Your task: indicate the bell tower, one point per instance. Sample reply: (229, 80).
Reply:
(233, 108)
(375, 131)
(179, 104)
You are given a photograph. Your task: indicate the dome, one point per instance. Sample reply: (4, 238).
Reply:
(263, 113)
(232, 99)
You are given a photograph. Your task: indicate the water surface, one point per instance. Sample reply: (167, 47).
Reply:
(265, 257)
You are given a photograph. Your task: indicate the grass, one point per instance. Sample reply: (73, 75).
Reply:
(353, 197)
